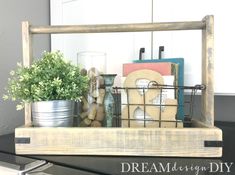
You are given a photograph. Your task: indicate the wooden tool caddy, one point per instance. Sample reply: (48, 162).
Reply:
(202, 139)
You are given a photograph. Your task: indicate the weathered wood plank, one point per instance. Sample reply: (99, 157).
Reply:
(105, 28)
(27, 60)
(208, 71)
(187, 142)
(181, 142)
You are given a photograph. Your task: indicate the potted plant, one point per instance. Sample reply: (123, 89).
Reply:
(51, 84)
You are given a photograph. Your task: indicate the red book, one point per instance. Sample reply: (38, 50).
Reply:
(164, 68)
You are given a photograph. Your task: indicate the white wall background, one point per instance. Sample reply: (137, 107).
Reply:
(119, 47)
(185, 44)
(124, 47)
(188, 44)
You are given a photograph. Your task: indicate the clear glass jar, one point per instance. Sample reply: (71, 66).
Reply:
(92, 59)
(93, 64)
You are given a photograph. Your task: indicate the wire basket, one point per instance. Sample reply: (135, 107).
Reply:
(123, 109)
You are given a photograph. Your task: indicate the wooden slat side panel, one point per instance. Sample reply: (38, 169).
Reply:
(120, 141)
(208, 71)
(27, 60)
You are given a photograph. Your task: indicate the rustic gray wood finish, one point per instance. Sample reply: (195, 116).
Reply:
(106, 28)
(27, 60)
(208, 71)
(119, 141)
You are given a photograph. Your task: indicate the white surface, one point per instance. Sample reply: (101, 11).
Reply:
(124, 47)
(119, 47)
(188, 45)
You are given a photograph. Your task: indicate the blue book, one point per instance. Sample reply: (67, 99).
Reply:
(180, 62)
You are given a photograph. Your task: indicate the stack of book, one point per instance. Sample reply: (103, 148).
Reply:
(167, 106)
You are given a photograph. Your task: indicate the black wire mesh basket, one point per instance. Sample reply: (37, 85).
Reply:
(176, 112)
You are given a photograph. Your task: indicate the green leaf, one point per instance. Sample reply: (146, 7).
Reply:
(5, 97)
(48, 78)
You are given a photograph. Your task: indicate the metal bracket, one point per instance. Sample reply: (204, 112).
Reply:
(213, 143)
(22, 140)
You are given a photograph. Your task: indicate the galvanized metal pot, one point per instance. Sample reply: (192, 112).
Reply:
(55, 113)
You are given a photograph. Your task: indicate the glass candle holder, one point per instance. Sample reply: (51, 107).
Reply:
(92, 59)
(93, 64)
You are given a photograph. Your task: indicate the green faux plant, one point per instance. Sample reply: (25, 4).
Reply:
(48, 78)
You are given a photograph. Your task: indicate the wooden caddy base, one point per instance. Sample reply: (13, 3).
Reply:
(198, 141)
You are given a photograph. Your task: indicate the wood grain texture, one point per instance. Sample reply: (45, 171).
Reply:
(151, 124)
(27, 60)
(106, 28)
(208, 71)
(182, 142)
